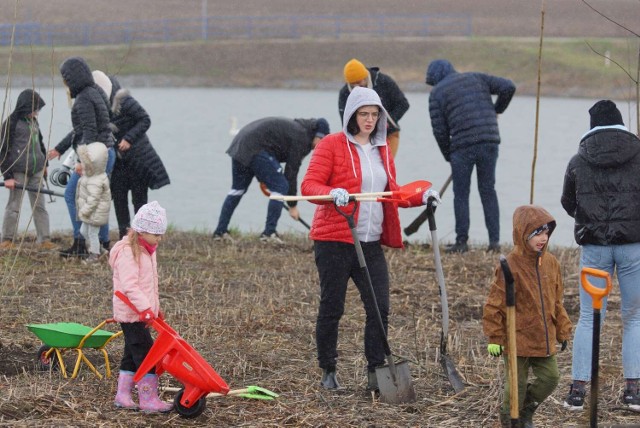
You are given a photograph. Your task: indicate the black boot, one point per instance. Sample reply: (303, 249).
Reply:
(458, 247)
(77, 249)
(526, 414)
(505, 420)
(372, 381)
(105, 244)
(329, 380)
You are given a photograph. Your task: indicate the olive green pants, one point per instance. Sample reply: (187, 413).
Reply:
(545, 379)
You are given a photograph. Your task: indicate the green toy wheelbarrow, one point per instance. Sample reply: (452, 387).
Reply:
(58, 338)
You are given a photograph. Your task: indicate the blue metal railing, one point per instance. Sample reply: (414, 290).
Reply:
(236, 27)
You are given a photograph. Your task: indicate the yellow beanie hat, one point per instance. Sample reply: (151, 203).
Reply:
(355, 71)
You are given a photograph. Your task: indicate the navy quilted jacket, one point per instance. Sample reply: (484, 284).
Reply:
(461, 107)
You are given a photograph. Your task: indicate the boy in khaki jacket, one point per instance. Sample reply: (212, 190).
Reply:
(541, 319)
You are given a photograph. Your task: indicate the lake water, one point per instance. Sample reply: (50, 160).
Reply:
(190, 130)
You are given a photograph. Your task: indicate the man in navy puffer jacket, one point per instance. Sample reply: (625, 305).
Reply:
(465, 125)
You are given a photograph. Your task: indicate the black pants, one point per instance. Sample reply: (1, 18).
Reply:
(137, 343)
(337, 262)
(124, 180)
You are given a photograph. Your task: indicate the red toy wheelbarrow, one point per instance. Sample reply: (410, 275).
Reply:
(171, 353)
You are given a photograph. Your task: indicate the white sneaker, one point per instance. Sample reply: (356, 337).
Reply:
(91, 259)
(272, 239)
(225, 237)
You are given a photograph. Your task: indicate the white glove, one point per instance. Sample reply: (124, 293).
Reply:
(340, 197)
(431, 194)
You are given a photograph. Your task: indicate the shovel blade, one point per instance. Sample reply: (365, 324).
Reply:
(452, 374)
(399, 390)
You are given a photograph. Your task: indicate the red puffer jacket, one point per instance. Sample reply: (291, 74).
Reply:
(335, 163)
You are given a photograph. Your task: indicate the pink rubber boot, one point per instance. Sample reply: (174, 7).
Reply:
(148, 396)
(125, 386)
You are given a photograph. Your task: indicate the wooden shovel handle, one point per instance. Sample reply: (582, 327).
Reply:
(513, 362)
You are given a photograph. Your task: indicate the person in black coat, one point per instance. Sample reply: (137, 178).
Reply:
(90, 120)
(138, 167)
(465, 124)
(602, 193)
(393, 99)
(257, 151)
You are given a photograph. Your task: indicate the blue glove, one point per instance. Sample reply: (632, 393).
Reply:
(495, 350)
(340, 197)
(431, 194)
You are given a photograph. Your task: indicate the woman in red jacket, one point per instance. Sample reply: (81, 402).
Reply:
(353, 161)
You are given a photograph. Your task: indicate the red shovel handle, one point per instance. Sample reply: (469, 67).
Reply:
(596, 293)
(126, 300)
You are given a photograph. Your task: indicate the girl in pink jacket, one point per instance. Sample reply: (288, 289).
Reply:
(135, 274)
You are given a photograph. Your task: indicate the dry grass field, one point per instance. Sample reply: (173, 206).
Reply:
(250, 311)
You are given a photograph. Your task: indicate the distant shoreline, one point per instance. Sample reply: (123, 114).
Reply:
(569, 67)
(167, 81)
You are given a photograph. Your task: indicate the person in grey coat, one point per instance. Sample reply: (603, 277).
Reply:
(23, 162)
(465, 124)
(258, 150)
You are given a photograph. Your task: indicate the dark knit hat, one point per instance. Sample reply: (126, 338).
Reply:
(322, 127)
(604, 113)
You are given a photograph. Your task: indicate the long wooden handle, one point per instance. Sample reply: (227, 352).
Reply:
(301, 198)
(512, 358)
(513, 362)
(406, 191)
(327, 197)
(211, 394)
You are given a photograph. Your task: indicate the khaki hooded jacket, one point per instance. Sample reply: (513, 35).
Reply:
(541, 320)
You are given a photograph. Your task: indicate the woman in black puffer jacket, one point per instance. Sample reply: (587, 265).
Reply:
(601, 192)
(90, 120)
(138, 166)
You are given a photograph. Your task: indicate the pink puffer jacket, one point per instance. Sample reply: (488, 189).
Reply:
(138, 281)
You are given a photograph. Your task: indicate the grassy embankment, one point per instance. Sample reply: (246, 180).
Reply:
(569, 66)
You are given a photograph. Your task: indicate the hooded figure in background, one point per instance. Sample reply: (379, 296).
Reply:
(138, 166)
(464, 120)
(23, 162)
(258, 150)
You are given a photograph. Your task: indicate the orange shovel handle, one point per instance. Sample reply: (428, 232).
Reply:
(596, 293)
